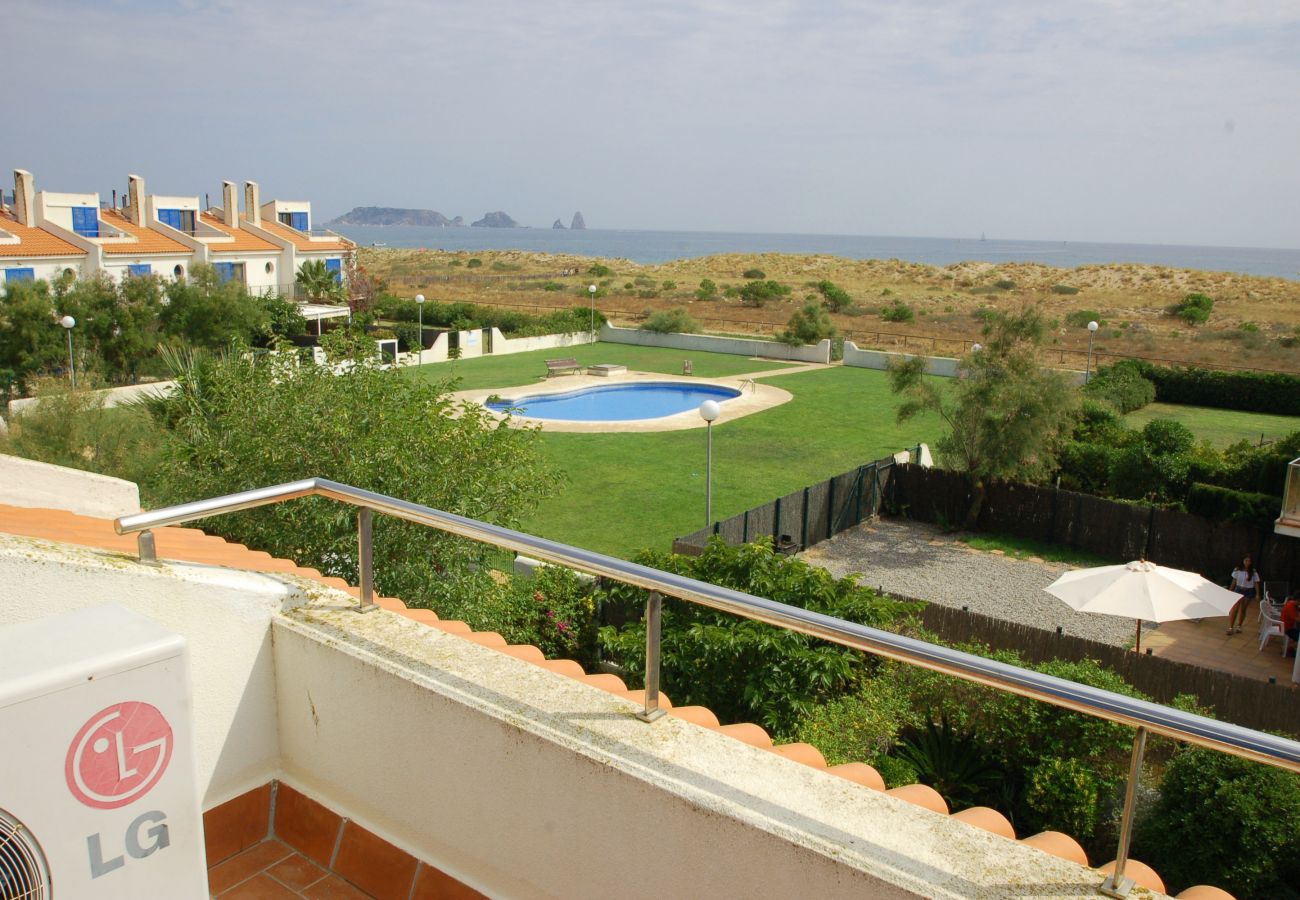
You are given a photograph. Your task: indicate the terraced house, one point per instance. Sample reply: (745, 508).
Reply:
(45, 234)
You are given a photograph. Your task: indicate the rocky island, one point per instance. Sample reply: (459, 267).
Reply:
(579, 223)
(388, 215)
(495, 220)
(557, 224)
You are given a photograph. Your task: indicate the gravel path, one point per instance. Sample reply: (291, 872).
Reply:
(912, 559)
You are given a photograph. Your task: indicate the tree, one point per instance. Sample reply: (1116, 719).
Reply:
(210, 313)
(808, 326)
(247, 420)
(757, 293)
(31, 340)
(1007, 417)
(834, 297)
(708, 290)
(317, 281)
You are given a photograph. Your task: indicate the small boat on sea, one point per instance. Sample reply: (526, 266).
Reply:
(378, 244)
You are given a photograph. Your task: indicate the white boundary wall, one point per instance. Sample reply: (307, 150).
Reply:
(38, 485)
(471, 345)
(942, 366)
(814, 353)
(112, 396)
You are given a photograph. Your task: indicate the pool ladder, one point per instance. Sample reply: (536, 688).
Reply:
(752, 386)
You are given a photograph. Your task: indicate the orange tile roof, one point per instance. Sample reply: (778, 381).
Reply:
(302, 241)
(147, 241)
(245, 241)
(193, 545)
(33, 241)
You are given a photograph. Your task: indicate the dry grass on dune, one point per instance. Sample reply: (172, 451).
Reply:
(1255, 321)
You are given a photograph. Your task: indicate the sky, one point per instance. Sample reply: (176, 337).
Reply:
(1094, 120)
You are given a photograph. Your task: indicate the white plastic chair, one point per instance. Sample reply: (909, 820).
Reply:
(1270, 626)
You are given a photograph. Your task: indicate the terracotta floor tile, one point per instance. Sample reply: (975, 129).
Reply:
(242, 866)
(237, 824)
(374, 865)
(435, 884)
(335, 888)
(306, 825)
(262, 887)
(298, 872)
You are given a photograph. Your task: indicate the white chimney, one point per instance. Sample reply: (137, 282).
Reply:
(252, 203)
(229, 208)
(25, 197)
(135, 199)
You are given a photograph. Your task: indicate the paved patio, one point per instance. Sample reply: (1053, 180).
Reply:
(1204, 644)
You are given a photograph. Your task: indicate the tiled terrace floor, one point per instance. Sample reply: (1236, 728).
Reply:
(273, 869)
(1205, 644)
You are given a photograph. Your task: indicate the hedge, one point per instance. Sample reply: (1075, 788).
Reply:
(1266, 392)
(1225, 504)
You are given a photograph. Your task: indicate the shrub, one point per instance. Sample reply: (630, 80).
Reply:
(1086, 466)
(754, 274)
(758, 293)
(1225, 504)
(672, 321)
(600, 270)
(669, 285)
(552, 286)
(474, 263)
(1064, 289)
(1270, 392)
(899, 312)
(1004, 284)
(1224, 820)
(707, 290)
(807, 326)
(834, 297)
(1194, 309)
(1080, 318)
(859, 727)
(1064, 791)
(1123, 386)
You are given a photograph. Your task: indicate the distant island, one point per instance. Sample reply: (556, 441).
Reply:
(495, 220)
(388, 215)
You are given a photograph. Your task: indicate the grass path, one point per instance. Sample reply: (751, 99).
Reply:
(1220, 427)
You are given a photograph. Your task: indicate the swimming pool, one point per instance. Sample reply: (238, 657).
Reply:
(615, 402)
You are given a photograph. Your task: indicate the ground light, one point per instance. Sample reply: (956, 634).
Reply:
(709, 410)
(68, 324)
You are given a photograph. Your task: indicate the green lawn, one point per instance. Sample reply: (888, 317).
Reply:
(627, 491)
(522, 368)
(1220, 427)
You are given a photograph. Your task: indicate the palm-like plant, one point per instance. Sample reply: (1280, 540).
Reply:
(950, 761)
(317, 281)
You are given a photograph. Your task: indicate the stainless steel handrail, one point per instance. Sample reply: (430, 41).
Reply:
(1148, 718)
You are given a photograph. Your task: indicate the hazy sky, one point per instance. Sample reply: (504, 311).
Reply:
(1118, 120)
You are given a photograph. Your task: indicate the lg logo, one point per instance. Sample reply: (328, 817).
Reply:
(115, 759)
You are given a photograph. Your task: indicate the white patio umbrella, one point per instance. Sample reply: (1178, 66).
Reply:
(1142, 590)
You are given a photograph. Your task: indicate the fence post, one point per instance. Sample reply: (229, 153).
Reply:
(653, 617)
(776, 522)
(744, 528)
(857, 507)
(803, 527)
(874, 505)
(830, 507)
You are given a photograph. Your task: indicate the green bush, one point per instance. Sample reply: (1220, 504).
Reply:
(600, 270)
(807, 326)
(707, 290)
(758, 293)
(1224, 820)
(1086, 466)
(1004, 284)
(834, 297)
(474, 263)
(899, 312)
(1066, 792)
(1224, 504)
(1080, 318)
(1064, 289)
(552, 286)
(671, 321)
(669, 285)
(1268, 392)
(1194, 309)
(1123, 386)
(858, 727)
(754, 274)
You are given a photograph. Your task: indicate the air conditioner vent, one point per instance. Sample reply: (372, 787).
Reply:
(23, 872)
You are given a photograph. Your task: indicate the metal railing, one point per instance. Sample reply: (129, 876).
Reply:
(1147, 718)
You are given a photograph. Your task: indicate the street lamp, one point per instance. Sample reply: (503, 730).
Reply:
(592, 291)
(419, 305)
(1092, 331)
(68, 324)
(976, 348)
(709, 410)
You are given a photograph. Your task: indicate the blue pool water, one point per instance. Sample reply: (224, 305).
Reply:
(617, 402)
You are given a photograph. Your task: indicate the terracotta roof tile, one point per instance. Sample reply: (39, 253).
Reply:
(302, 241)
(146, 240)
(245, 241)
(33, 242)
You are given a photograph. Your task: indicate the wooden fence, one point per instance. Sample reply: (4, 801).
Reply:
(1234, 698)
(807, 516)
(1108, 528)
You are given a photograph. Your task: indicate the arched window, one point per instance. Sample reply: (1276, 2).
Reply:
(270, 267)
(179, 272)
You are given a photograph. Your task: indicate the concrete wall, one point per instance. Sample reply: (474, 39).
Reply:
(117, 396)
(879, 359)
(225, 616)
(32, 484)
(44, 269)
(816, 353)
(502, 345)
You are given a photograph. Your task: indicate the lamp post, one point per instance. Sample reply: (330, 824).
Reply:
(68, 324)
(1092, 331)
(592, 291)
(419, 305)
(709, 410)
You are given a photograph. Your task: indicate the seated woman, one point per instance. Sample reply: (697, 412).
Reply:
(1291, 618)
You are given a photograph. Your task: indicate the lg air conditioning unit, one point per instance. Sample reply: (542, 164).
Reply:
(98, 797)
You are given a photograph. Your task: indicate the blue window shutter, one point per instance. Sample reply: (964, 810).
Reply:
(225, 271)
(85, 221)
(20, 274)
(139, 269)
(335, 266)
(298, 220)
(170, 217)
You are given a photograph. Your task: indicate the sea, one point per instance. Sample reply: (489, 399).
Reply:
(662, 246)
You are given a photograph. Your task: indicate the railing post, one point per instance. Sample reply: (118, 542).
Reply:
(148, 550)
(1116, 885)
(653, 617)
(366, 559)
